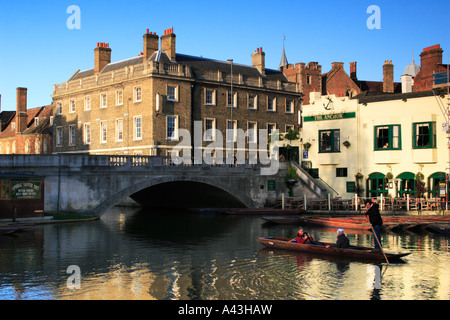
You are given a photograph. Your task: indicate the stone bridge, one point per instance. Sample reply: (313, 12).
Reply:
(91, 184)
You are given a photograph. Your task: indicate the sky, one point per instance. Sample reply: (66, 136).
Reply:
(40, 48)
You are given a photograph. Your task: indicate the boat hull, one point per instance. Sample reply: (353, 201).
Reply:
(365, 253)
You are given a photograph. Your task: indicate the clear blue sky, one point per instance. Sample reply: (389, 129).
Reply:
(37, 50)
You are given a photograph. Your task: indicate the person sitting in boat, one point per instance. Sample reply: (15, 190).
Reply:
(342, 240)
(303, 237)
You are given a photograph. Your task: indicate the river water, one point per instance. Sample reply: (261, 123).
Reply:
(135, 253)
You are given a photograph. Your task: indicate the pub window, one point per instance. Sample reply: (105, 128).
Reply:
(103, 132)
(87, 133)
(59, 134)
(137, 94)
(387, 137)
(424, 135)
(341, 172)
(119, 97)
(210, 126)
(329, 140)
(87, 103)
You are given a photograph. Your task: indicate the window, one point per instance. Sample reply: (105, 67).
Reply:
(232, 101)
(210, 96)
(424, 135)
(289, 106)
(87, 133)
(103, 100)
(137, 94)
(252, 101)
(103, 132)
(172, 93)
(341, 172)
(87, 103)
(387, 137)
(271, 104)
(59, 108)
(172, 127)
(210, 126)
(138, 128)
(72, 106)
(119, 130)
(231, 130)
(59, 135)
(251, 132)
(119, 97)
(271, 127)
(329, 140)
(72, 135)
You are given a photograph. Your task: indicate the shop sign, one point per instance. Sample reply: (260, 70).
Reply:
(25, 190)
(332, 116)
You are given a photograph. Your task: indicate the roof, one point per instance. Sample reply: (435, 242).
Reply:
(196, 63)
(43, 113)
(370, 96)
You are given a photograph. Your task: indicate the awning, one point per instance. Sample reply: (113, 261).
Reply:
(406, 176)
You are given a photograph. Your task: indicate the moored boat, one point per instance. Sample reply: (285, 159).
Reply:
(283, 219)
(356, 252)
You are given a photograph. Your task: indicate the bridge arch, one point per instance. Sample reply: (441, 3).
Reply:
(204, 183)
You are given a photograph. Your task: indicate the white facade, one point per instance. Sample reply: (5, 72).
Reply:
(398, 133)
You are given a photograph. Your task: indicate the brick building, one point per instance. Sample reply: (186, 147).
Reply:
(26, 131)
(139, 105)
(430, 64)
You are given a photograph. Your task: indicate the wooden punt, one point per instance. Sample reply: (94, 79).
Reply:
(263, 211)
(337, 223)
(283, 219)
(356, 252)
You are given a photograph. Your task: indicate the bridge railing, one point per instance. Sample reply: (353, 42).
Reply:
(85, 160)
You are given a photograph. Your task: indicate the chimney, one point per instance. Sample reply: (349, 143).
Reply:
(21, 110)
(151, 44)
(388, 76)
(429, 60)
(337, 65)
(353, 71)
(406, 83)
(102, 55)
(259, 60)
(168, 43)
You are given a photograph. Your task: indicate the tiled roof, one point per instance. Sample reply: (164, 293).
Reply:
(196, 63)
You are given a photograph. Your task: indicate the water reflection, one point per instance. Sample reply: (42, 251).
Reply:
(141, 254)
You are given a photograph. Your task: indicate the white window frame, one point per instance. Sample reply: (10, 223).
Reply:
(234, 99)
(72, 107)
(58, 108)
(87, 133)
(171, 97)
(103, 131)
(290, 102)
(137, 94)
(137, 129)
(119, 130)
(119, 98)
(103, 100)
(212, 136)
(274, 104)
(87, 103)
(72, 140)
(254, 138)
(255, 101)
(175, 129)
(59, 136)
(212, 101)
(234, 130)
